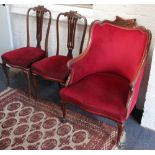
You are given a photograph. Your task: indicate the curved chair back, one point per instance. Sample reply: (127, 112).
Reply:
(40, 11)
(119, 47)
(72, 17)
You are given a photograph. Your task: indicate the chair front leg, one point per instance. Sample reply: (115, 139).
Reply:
(120, 129)
(27, 72)
(35, 85)
(6, 73)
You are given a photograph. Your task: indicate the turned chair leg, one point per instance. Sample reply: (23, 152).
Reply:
(6, 73)
(63, 107)
(27, 72)
(35, 85)
(120, 128)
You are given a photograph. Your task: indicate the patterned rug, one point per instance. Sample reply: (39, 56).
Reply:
(24, 126)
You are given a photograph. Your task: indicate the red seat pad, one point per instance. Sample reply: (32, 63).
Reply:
(103, 94)
(52, 68)
(23, 57)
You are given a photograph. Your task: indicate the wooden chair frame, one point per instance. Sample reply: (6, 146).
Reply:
(40, 11)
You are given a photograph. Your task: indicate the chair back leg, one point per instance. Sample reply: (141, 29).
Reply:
(35, 86)
(63, 107)
(120, 129)
(27, 73)
(6, 73)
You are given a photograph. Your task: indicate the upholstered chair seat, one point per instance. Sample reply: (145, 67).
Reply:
(98, 94)
(52, 68)
(23, 57)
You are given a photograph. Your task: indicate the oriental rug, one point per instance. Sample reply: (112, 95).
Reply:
(30, 125)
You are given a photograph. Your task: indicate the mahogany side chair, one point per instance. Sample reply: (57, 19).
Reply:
(22, 58)
(54, 68)
(105, 79)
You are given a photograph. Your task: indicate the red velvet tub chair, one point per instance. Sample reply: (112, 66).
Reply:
(54, 68)
(105, 79)
(23, 57)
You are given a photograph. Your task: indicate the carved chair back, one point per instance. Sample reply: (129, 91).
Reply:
(72, 18)
(40, 11)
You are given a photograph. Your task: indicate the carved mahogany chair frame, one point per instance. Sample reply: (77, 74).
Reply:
(40, 11)
(129, 23)
(72, 18)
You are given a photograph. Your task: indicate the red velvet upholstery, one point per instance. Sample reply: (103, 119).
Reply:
(102, 78)
(23, 57)
(112, 49)
(52, 68)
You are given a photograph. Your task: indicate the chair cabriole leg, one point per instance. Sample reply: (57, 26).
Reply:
(120, 129)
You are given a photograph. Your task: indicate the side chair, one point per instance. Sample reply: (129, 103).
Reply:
(54, 68)
(22, 58)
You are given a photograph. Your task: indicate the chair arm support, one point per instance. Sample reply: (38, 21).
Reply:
(76, 59)
(133, 84)
(130, 98)
(137, 75)
(134, 81)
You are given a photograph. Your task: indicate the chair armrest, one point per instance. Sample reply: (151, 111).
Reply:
(130, 99)
(134, 81)
(133, 84)
(75, 66)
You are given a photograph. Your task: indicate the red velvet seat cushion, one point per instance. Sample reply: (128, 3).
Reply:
(23, 57)
(52, 68)
(100, 93)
